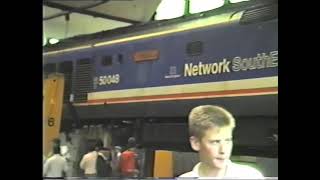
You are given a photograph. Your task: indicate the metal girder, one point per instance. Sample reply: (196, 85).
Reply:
(83, 10)
(68, 12)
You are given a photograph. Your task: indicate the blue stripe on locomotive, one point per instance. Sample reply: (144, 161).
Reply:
(243, 41)
(226, 41)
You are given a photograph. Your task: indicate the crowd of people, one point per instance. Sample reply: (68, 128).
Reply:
(211, 135)
(100, 161)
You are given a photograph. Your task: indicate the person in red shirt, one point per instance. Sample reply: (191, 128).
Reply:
(129, 164)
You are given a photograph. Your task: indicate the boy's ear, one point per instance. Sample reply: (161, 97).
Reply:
(195, 143)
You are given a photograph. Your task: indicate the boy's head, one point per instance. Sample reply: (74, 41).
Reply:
(210, 129)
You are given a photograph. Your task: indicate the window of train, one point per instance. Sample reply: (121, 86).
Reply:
(120, 59)
(106, 61)
(194, 48)
(112, 60)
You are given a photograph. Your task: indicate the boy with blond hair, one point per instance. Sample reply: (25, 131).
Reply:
(211, 128)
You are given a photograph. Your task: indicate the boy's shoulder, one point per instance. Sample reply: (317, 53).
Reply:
(193, 172)
(239, 170)
(188, 174)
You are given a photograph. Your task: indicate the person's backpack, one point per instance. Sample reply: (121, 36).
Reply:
(103, 167)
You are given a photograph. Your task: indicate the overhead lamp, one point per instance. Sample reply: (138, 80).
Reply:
(53, 40)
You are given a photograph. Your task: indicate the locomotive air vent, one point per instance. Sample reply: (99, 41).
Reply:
(194, 48)
(259, 14)
(83, 80)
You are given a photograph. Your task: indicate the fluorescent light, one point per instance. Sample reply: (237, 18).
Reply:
(53, 41)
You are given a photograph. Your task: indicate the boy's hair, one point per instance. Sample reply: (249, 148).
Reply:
(204, 117)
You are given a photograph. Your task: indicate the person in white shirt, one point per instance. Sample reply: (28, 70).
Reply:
(88, 163)
(89, 160)
(56, 165)
(211, 128)
(68, 152)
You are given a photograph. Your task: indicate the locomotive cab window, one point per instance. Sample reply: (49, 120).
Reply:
(84, 61)
(120, 59)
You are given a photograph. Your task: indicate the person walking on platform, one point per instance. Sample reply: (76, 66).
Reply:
(55, 166)
(129, 160)
(89, 161)
(55, 142)
(115, 160)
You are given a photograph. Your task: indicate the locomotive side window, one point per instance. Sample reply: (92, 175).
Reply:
(120, 59)
(106, 61)
(83, 61)
(194, 48)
